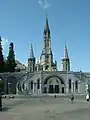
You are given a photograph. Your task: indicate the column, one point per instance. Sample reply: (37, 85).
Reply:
(40, 87)
(29, 87)
(33, 87)
(73, 88)
(47, 88)
(17, 91)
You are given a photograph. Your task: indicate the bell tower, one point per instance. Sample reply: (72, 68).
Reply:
(65, 60)
(31, 61)
(46, 58)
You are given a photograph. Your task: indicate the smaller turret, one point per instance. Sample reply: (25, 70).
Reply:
(31, 61)
(65, 60)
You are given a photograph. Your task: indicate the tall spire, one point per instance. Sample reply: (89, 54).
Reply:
(47, 25)
(31, 52)
(66, 52)
(46, 28)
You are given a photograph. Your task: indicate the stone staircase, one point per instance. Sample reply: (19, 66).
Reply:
(81, 76)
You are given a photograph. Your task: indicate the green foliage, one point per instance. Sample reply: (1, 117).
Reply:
(5, 66)
(1, 84)
(10, 65)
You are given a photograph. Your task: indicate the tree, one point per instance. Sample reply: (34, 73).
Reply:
(11, 64)
(1, 58)
(5, 66)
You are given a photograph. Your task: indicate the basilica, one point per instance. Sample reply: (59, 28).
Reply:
(42, 76)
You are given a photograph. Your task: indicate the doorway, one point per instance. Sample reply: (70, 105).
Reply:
(45, 90)
(56, 88)
(63, 90)
(51, 89)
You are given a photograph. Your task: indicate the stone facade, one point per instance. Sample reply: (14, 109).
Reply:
(46, 82)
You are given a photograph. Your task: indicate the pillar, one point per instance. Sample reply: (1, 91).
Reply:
(17, 91)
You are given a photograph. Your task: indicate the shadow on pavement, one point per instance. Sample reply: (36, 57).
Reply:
(5, 109)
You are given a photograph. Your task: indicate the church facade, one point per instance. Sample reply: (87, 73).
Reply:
(43, 77)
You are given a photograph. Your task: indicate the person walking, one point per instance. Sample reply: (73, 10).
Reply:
(72, 98)
(87, 97)
(55, 96)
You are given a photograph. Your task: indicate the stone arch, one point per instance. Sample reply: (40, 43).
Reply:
(53, 84)
(47, 66)
(19, 86)
(11, 84)
(1, 84)
(51, 76)
(38, 83)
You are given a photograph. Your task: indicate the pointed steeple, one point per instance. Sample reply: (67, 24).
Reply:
(31, 52)
(47, 25)
(31, 60)
(46, 28)
(66, 52)
(65, 60)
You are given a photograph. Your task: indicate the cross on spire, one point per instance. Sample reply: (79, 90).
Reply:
(66, 52)
(31, 52)
(46, 28)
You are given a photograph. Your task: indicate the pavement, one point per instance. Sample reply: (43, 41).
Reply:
(45, 108)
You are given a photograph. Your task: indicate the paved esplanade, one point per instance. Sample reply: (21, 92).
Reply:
(47, 108)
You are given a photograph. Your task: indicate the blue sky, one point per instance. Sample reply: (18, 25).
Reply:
(22, 21)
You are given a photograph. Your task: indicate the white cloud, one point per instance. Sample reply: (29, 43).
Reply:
(44, 4)
(5, 45)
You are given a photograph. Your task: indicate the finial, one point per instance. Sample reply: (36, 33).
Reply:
(46, 15)
(65, 51)
(46, 19)
(31, 52)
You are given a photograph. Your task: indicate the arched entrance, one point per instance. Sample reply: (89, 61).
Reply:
(53, 84)
(11, 85)
(1, 85)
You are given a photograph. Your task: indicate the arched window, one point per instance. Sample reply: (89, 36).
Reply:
(23, 86)
(76, 85)
(31, 85)
(69, 83)
(38, 84)
(46, 67)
